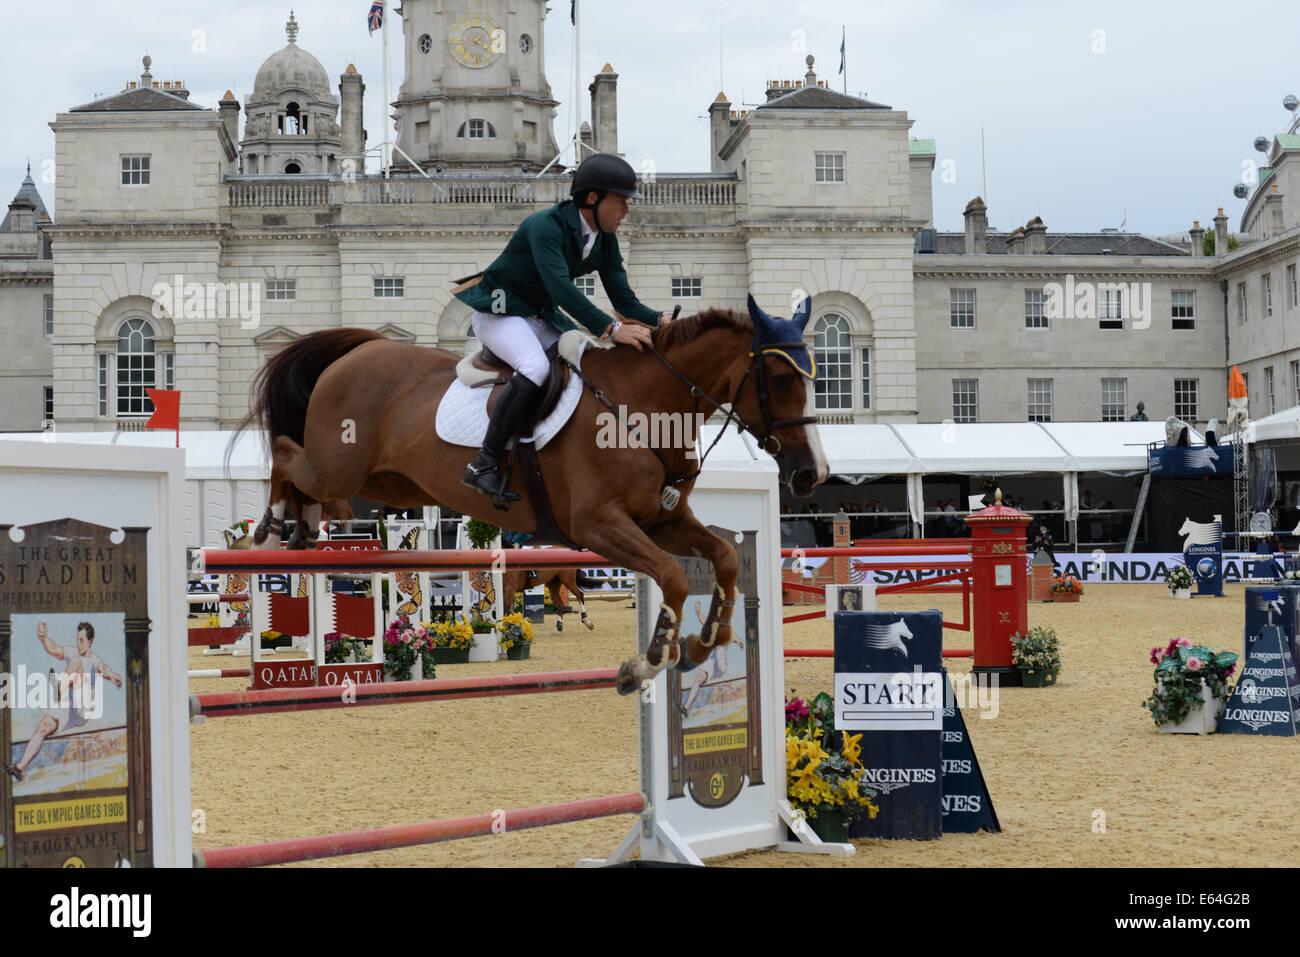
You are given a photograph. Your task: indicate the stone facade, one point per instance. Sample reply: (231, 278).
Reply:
(225, 258)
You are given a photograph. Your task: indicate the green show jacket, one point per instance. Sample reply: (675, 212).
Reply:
(537, 269)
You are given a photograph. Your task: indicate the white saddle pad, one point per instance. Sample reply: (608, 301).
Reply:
(463, 419)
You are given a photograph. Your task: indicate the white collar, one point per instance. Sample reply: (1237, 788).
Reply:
(588, 236)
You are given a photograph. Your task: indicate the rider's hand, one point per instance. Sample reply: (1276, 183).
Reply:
(665, 317)
(632, 334)
(41, 633)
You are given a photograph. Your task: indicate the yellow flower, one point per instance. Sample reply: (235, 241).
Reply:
(852, 750)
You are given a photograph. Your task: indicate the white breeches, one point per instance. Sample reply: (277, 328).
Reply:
(521, 341)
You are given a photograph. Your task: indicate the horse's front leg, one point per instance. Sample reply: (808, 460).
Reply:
(621, 540)
(686, 535)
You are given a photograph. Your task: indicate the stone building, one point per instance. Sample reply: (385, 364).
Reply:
(185, 251)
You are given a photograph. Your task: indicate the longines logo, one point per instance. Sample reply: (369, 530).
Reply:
(891, 779)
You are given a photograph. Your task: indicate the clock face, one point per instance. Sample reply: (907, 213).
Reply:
(476, 42)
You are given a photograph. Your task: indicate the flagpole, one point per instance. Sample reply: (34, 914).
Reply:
(388, 152)
(577, 83)
(844, 58)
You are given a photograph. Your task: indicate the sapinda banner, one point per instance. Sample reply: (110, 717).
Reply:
(1099, 566)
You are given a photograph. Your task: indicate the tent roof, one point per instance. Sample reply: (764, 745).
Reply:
(205, 451)
(1278, 427)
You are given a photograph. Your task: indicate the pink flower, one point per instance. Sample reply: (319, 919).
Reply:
(1193, 664)
(1156, 654)
(1183, 641)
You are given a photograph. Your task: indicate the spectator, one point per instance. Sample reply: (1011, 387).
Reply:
(1043, 541)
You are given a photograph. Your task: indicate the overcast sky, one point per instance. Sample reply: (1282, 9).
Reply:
(1092, 112)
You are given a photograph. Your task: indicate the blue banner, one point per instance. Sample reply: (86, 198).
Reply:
(1272, 605)
(886, 653)
(1266, 699)
(1190, 460)
(967, 806)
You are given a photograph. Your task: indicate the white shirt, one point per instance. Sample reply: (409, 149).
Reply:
(588, 236)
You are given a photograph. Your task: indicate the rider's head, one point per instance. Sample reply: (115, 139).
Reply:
(85, 636)
(602, 185)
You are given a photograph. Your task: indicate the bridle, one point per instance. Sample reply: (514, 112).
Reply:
(758, 368)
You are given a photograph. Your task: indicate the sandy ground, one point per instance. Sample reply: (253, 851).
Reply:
(1058, 761)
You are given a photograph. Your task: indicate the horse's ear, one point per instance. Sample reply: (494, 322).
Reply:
(757, 314)
(800, 317)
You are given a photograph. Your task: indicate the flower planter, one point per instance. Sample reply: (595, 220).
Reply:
(1067, 596)
(450, 656)
(831, 825)
(519, 651)
(1181, 592)
(486, 647)
(1200, 720)
(1036, 677)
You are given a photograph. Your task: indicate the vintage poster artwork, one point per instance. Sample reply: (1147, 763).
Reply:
(69, 706)
(715, 718)
(75, 774)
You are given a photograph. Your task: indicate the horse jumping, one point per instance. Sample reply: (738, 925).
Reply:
(350, 412)
(571, 580)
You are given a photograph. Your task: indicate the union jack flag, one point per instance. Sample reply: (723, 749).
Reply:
(375, 19)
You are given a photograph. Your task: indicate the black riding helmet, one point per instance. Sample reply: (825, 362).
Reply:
(603, 173)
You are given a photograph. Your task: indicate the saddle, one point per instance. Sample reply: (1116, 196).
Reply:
(494, 372)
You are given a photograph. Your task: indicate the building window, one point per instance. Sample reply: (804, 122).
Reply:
(1040, 400)
(477, 130)
(49, 403)
(965, 400)
(1295, 381)
(828, 167)
(961, 308)
(1110, 308)
(169, 370)
(525, 44)
(1182, 308)
(390, 287)
(1035, 309)
(136, 367)
(103, 383)
(1268, 387)
(1114, 399)
(1268, 294)
(278, 289)
(1241, 302)
(586, 285)
(1290, 280)
(687, 287)
(135, 170)
(834, 358)
(866, 379)
(49, 314)
(1185, 398)
(426, 43)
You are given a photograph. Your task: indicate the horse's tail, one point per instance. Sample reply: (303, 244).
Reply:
(283, 388)
(585, 581)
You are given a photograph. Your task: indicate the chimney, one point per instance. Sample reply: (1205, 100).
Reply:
(604, 110)
(22, 215)
(352, 93)
(977, 224)
(1016, 242)
(1198, 239)
(1036, 237)
(719, 130)
(1220, 234)
(585, 135)
(1272, 213)
(228, 110)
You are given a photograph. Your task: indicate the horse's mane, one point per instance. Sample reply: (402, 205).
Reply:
(684, 330)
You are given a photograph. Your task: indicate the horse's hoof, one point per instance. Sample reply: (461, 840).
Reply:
(590, 626)
(559, 626)
(626, 682)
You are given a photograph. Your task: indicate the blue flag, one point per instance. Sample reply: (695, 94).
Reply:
(375, 19)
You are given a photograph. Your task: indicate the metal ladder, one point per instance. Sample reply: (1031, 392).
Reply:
(1137, 512)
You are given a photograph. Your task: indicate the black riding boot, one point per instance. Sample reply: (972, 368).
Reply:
(516, 400)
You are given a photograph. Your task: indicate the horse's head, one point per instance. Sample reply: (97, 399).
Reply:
(1187, 527)
(780, 406)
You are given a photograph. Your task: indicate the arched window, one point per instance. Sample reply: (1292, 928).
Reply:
(476, 130)
(136, 367)
(293, 168)
(292, 120)
(472, 345)
(833, 353)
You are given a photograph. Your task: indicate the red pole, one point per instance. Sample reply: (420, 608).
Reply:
(830, 652)
(222, 561)
(273, 700)
(960, 552)
(429, 832)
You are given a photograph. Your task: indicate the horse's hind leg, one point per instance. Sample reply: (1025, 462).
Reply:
(686, 535)
(298, 480)
(271, 525)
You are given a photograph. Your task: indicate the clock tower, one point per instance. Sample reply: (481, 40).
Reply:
(475, 94)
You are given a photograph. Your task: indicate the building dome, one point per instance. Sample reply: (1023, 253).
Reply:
(293, 67)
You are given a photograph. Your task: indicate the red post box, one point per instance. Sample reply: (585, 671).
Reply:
(1001, 585)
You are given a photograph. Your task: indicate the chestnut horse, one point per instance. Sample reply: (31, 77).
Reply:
(516, 580)
(350, 412)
